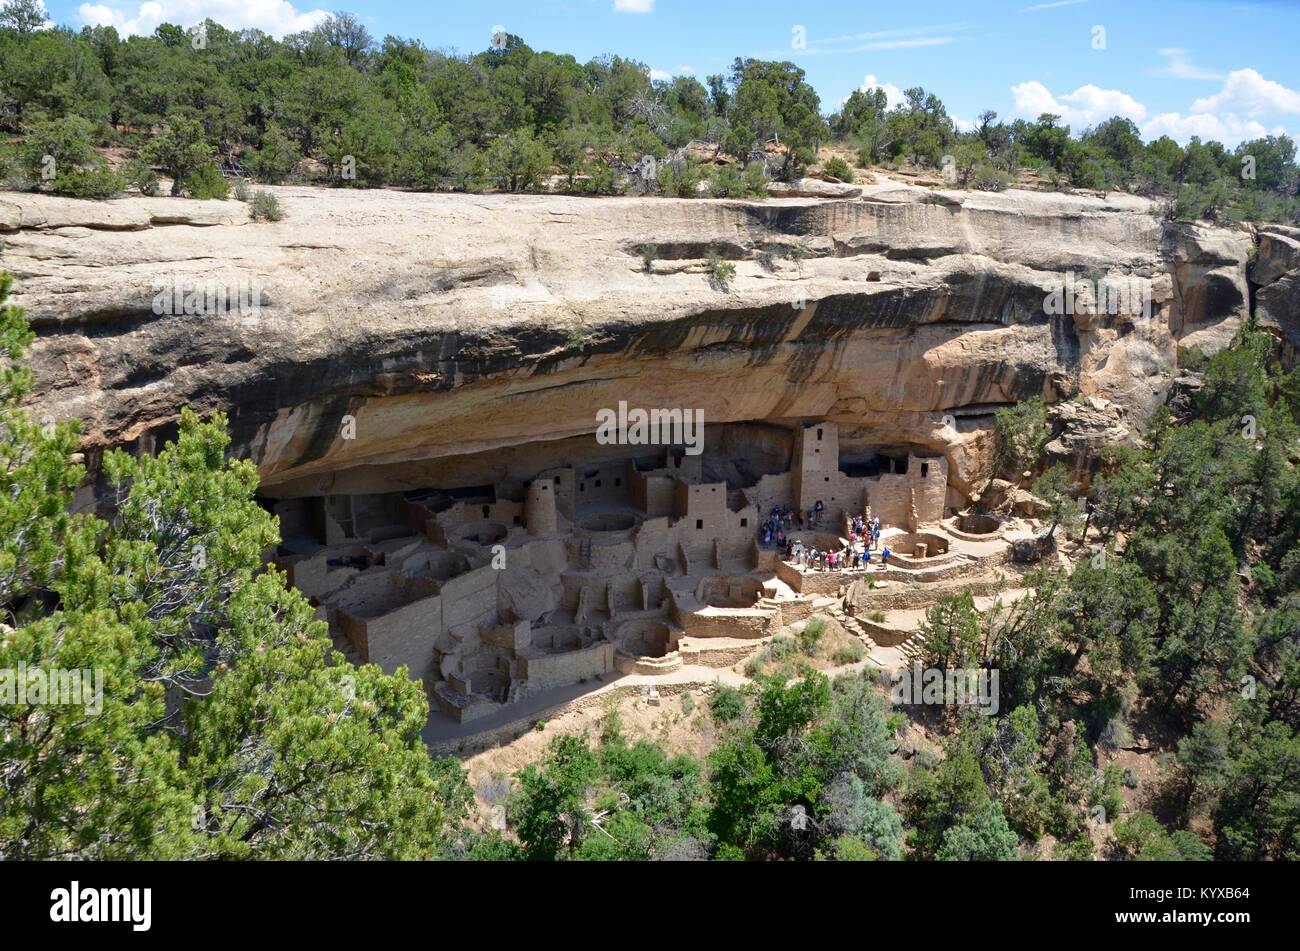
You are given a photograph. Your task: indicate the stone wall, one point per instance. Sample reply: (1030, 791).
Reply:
(544, 670)
(404, 636)
(470, 601)
(599, 484)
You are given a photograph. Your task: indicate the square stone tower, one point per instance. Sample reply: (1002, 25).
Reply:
(816, 459)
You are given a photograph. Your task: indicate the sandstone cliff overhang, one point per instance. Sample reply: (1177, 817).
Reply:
(454, 324)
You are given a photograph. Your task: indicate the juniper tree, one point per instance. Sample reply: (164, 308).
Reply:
(227, 726)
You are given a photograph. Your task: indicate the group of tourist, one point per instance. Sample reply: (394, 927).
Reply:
(778, 524)
(782, 520)
(866, 530)
(852, 557)
(864, 538)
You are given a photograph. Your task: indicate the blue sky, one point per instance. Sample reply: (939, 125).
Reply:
(1218, 68)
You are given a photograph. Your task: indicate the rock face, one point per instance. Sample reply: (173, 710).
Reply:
(1086, 426)
(473, 339)
(1209, 282)
(1275, 273)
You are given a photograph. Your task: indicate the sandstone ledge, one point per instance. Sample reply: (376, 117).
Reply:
(450, 325)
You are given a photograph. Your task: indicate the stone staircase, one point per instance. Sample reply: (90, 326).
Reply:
(584, 554)
(911, 648)
(851, 624)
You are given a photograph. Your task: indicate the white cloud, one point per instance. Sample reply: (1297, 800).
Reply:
(1051, 6)
(893, 95)
(902, 44)
(276, 17)
(1086, 106)
(1095, 104)
(964, 125)
(1232, 114)
(1228, 128)
(917, 37)
(918, 43)
(894, 34)
(1180, 66)
(1249, 93)
(667, 74)
(634, 6)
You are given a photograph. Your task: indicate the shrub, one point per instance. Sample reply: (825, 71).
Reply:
(241, 191)
(181, 151)
(604, 180)
(468, 170)
(721, 271)
(1191, 358)
(850, 653)
(206, 181)
(680, 180)
(58, 156)
(1140, 837)
(1020, 432)
(835, 167)
(648, 254)
(755, 180)
(1078, 849)
(265, 206)
(611, 726)
(726, 704)
(518, 161)
(811, 635)
(58, 146)
(277, 157)
(726, 183)
(98, 182)
(989, 179)
(797, 251)
(12, 174)
(139, 174)
(730, 182)
(777, 649)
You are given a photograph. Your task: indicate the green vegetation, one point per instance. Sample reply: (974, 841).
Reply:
(850, 653)
(1020, 432)
(811, 635)
(622, 801)
(648, 254)
(837, 168)
(721, 271)
(226, 721)
(337, 105)
(806, 765)
(264, 206)
(58, 156)
(1189, 626)
(181, 152)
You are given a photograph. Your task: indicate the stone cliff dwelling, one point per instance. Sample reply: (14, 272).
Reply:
(476, 533)
(489, 593)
